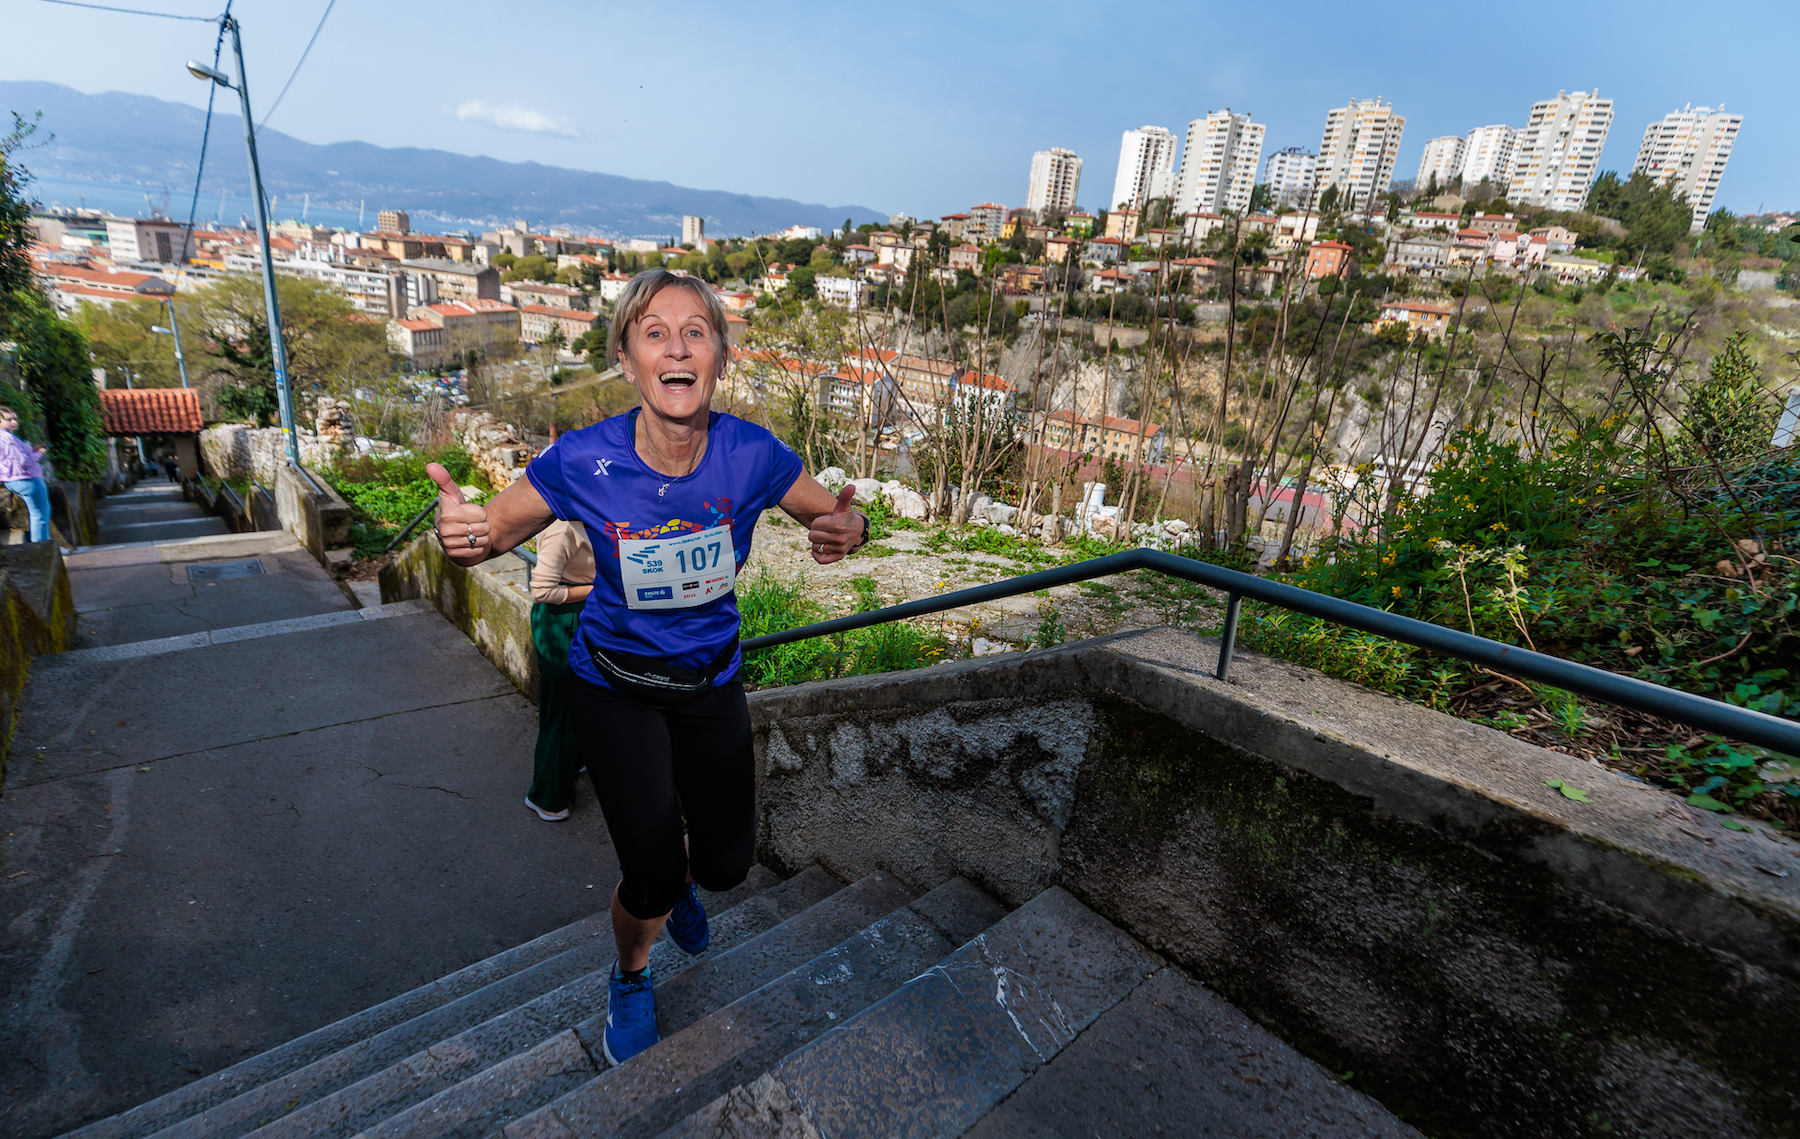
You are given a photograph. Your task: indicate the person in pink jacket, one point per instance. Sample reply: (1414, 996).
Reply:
(20, 472)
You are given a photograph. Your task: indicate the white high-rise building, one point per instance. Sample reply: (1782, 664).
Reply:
(1290, 174)
(1558, 152)
(1488, 154)
(1055, 180)
(1218, 164)
(1146, 167)
(1689, 148)
(1442, 162)
(1362, 140)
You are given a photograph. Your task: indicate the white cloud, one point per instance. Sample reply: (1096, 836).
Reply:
(515, 118)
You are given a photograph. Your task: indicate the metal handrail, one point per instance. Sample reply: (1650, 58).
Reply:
(1759, 728)
(406, 531)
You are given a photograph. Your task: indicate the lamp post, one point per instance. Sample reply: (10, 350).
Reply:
(277, 343)
(175, 331)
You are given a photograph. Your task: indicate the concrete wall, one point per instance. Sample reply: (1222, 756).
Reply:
(318, 520)
(1393, 891)
(489, 602)
(37, 615)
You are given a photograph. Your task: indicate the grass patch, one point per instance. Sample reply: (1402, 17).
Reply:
(769, 605)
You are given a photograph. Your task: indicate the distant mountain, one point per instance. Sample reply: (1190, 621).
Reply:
(135, 139)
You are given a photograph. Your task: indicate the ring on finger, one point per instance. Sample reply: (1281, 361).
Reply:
(471, 539)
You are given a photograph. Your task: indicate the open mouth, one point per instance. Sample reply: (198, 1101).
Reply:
(678, 379)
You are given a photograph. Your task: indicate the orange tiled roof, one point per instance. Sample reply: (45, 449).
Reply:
(151, 411)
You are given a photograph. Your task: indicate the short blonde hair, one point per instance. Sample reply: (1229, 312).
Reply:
(643, 289)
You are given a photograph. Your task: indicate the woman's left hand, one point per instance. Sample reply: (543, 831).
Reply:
(835, 534)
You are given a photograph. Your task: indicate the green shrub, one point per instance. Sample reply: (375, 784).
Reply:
(386, 493)
(769, 605)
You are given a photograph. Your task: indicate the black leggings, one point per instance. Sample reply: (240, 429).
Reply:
(654, 759)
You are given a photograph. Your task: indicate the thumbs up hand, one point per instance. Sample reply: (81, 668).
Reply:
(462, 526)
(833, 535)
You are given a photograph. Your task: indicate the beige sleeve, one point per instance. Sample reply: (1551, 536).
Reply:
(564, 559)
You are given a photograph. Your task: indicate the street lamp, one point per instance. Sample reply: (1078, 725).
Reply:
(277, 342)
(175, 331)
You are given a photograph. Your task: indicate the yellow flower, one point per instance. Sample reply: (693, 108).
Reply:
(1498, 526)
(1396, 591)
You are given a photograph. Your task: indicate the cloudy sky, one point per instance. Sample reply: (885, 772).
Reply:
(930, 107)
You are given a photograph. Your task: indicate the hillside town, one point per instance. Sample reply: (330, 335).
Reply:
(1188, 233)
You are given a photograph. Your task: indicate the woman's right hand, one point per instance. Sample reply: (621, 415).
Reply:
(462, 526)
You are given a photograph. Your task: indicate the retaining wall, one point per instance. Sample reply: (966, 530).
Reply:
(1393, 891)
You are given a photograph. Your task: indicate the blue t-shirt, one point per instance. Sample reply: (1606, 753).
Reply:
(667, 551)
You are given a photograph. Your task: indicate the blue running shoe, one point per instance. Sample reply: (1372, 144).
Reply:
(630, 1018)
(687, 924)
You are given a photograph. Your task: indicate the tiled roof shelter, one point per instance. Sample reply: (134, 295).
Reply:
(151, 411)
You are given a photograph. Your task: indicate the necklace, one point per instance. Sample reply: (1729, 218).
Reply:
(671, 480)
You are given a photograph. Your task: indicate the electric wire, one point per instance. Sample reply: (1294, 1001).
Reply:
(212, 91)
(268, 114)
(132, 11)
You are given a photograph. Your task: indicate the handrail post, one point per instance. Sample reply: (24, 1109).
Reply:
(1228, 635)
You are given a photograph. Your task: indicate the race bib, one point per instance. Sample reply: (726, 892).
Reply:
(677, 572)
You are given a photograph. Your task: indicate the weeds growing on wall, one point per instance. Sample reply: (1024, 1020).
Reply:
(386, 493)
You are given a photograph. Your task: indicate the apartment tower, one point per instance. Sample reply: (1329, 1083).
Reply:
(1055, 180)
(1218, 164)
(1362, 140)
(1442, 162)
(1146, 168)
(1488, 156)
(1688, 149)
(1290, 174)
(1558, 152)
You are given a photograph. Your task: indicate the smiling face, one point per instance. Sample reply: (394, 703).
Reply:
(671, 352)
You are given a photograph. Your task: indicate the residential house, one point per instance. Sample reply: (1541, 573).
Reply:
(536, 321)
(1108, 436)
(1494, 223)
(1079, 225)
(1057, 250)
(536, 293)
(1417, 317)
(858, 254)
(1559, 239)
(966, 257)
(1572, 270)
(1327, 259)
(1293, 229)
(1424, 219)
(1103, 251)
(1123, 224)
(850, 293)
(451, 280)
(423, 343)
(985, 223)
(1423, 254)
(982, 396)
(1196, 227)
(478, 326)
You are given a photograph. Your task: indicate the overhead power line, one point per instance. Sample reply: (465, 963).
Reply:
(212, 89)
(270, 113)
(133, 11)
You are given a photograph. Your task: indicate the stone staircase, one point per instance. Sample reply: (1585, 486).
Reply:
(237, 808)
(819, 1009)
(153, 511)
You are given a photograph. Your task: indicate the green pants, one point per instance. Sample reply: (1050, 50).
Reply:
(556, 760)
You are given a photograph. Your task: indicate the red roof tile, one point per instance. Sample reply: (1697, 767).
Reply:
(151, 411)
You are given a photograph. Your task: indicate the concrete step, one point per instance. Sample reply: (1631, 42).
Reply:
(1174, 1058)
(935, 1056)
(163, 531)
(445, 1059)
(125, 513)
(196, 1097)
(740, 1040)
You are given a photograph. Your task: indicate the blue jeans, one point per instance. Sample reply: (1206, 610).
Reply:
(37, 504)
